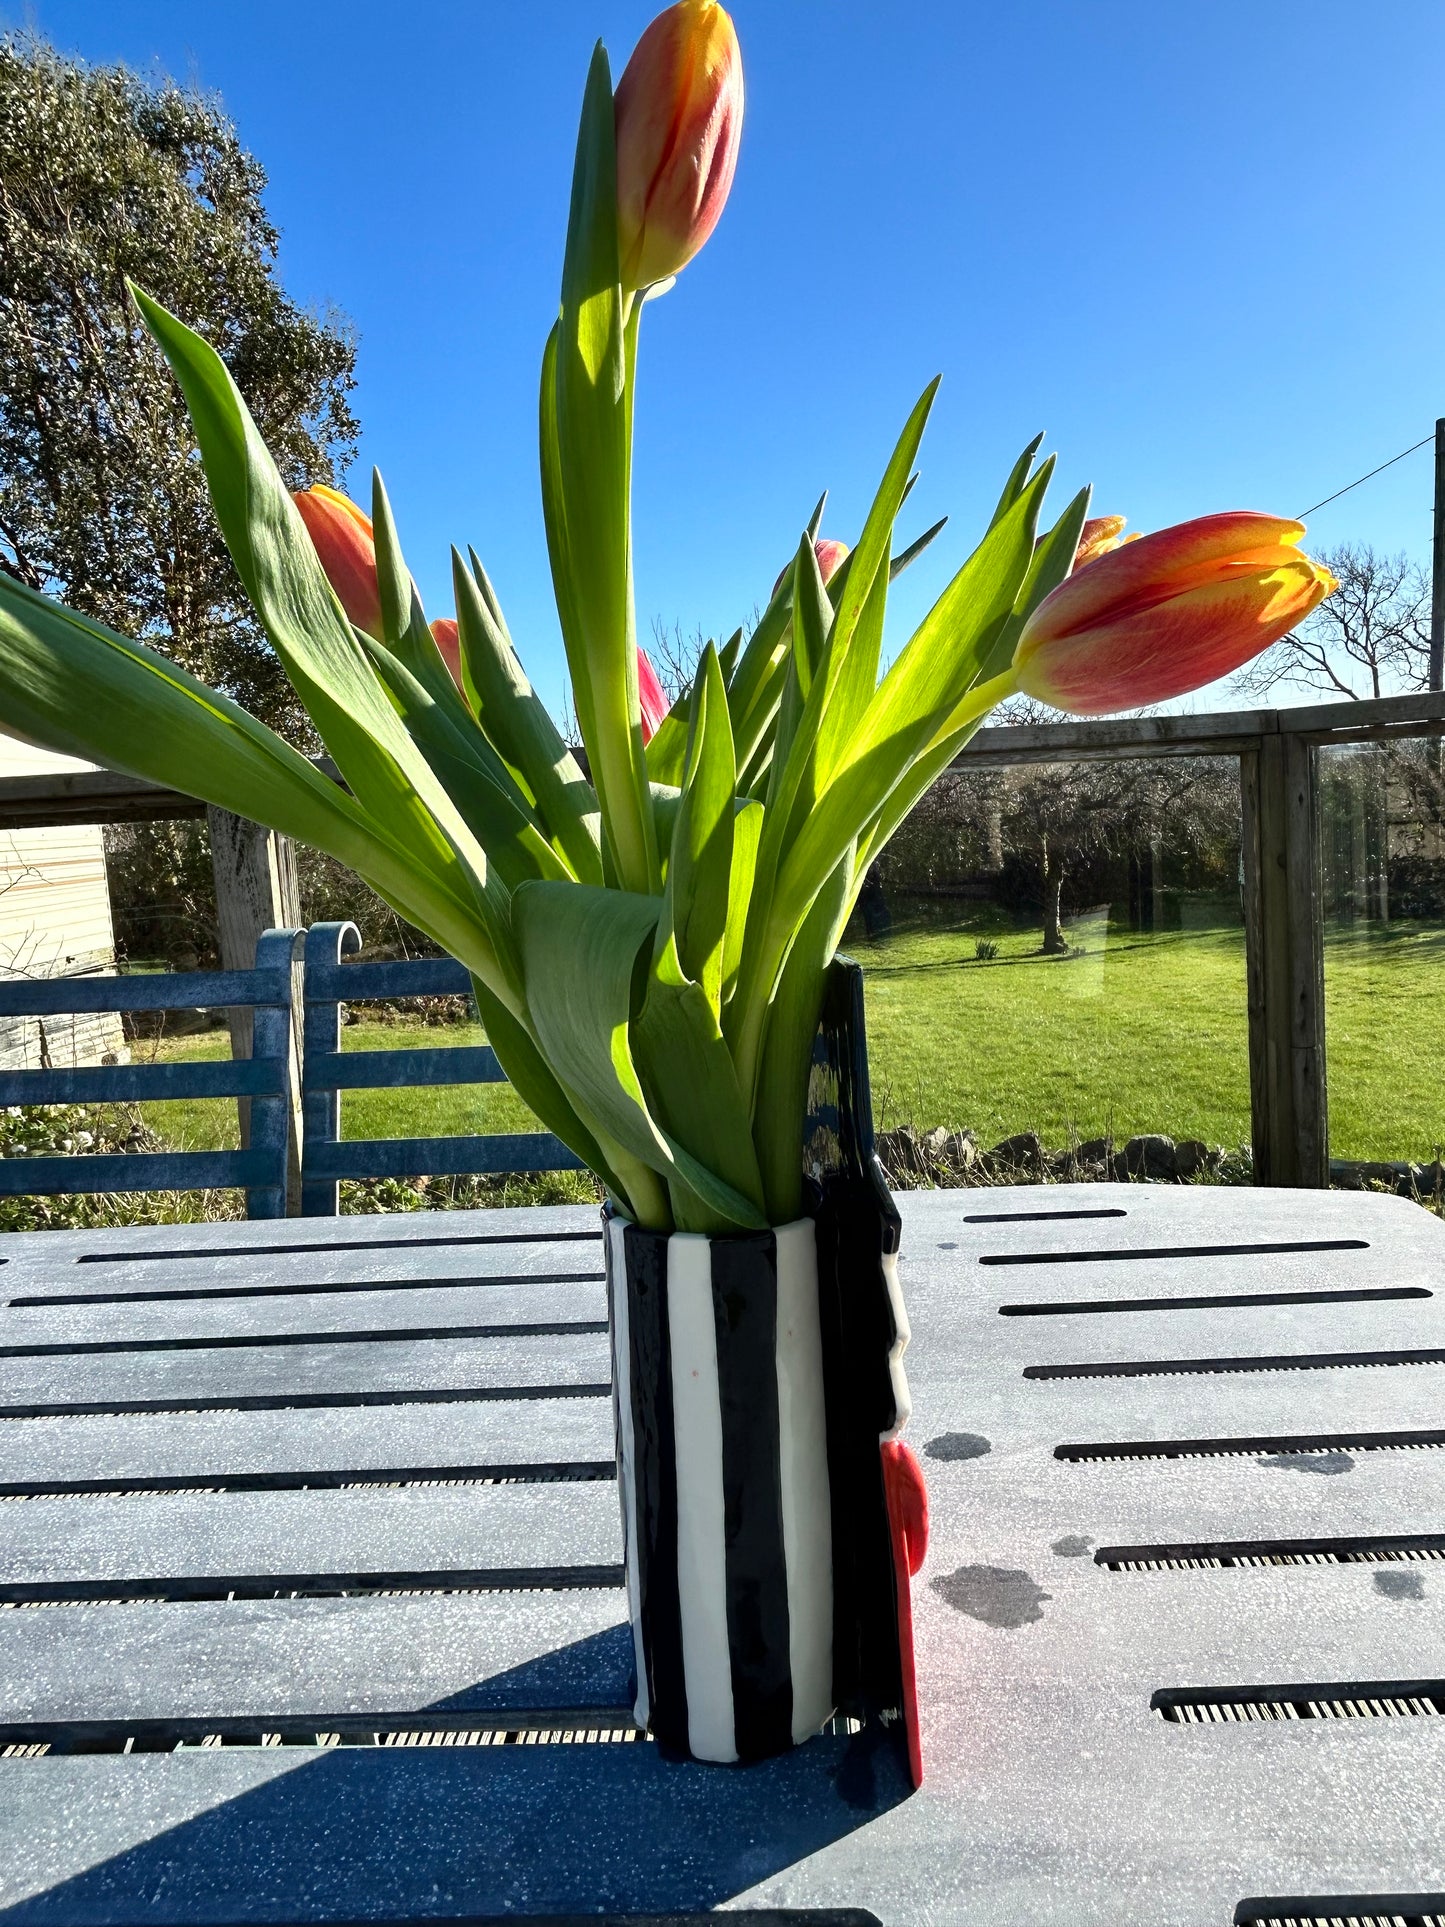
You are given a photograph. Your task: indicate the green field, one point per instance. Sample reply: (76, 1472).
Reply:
(1129, 1033)
(206, 1124)
(1136, 1033)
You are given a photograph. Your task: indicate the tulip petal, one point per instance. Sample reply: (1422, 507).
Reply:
(831, 557)
(651, 696)
(1173, 646)
(1140, 574)
(1100, 535)
(448, 642)
(679, 110)
(341, 534)
(340, 500)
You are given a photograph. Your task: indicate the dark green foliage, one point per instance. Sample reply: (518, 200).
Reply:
(162, 894)
(105, 175)
(65, 1130)
(163, 898)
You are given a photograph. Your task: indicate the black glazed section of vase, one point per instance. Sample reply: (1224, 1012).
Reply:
(745, 1314)
(655, 1454)
(857, 1225)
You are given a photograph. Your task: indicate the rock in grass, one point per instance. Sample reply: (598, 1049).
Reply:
(1023, 1151)
(1191, 1156)
(1150, 1157)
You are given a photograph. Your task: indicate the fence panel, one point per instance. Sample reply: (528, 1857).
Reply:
(326, 1156)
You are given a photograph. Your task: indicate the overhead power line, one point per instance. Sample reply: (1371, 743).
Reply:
(1365, 478)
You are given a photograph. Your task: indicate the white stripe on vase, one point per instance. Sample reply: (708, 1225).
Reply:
(701, 1541)
(626, 1451)
(803, 1468)
(902, 1397)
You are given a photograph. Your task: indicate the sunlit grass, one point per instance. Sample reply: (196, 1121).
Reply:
(1134, 1032)
(204, 1124)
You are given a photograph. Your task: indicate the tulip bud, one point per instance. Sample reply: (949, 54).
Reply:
(1168, 613)
(448, 641)
(831, 557)
(679, 109)
(341, 535)
(651, 695)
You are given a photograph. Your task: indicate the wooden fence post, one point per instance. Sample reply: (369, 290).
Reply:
(1285, 962)
(256, 890)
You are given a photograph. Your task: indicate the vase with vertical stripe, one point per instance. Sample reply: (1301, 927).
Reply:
(772, 1516)
(722, 1456)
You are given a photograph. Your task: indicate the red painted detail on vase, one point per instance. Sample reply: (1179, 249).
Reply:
(907, 1500)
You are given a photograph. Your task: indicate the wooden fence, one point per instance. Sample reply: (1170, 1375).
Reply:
(1278, 754)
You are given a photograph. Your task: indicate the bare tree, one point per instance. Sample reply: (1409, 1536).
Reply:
(1059, 822)
(1371, 638)
(675, 656)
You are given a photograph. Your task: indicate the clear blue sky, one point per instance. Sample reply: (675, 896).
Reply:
(1201, 246)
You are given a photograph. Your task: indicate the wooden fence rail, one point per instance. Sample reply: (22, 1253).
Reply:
(1277, 751)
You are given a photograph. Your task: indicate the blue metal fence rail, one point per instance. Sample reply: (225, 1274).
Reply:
(264, 1078)
(327, 1071)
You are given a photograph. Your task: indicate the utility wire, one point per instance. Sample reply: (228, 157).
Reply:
(1365, 478)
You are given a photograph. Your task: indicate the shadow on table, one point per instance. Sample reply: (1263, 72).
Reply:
(369, 1833)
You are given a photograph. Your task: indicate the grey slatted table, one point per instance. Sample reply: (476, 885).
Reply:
(270, 1493)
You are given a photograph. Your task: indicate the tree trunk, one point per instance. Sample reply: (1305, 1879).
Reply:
(256, 890)
(1054, 944)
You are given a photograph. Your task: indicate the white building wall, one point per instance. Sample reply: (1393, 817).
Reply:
(54, 922)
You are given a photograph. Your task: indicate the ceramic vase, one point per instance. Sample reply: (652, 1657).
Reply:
(771, 1517)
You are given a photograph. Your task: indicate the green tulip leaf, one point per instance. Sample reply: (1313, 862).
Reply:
(699, 870)
(72, 684)
(1018, 478)
(693, 1093)
(595, 345)
(322, 655)
(782, 1100)
(403, 620)
(517, 723)
(531, 1077)
(747, 833)
(475, 778)
(582, 948)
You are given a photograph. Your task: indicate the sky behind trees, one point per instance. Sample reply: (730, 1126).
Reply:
(1200, 247)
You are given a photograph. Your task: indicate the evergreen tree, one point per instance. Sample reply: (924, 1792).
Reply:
(106, 175)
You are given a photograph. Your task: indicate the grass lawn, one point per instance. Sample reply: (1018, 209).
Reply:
(205, 1124)
(1143, 1033)
(1129, 1033)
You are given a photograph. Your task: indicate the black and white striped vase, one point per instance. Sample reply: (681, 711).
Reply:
(772, 1515)
(722, 1459)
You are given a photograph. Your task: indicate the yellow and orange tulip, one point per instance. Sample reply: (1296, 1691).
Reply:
(341, 535)
(1168, 613)
(679, 109)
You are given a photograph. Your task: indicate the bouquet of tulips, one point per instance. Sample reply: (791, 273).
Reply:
(648, 930)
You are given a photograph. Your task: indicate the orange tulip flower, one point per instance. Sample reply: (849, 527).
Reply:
(1168, 613)
(341, 535)
(679, 108)
(449, 642)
